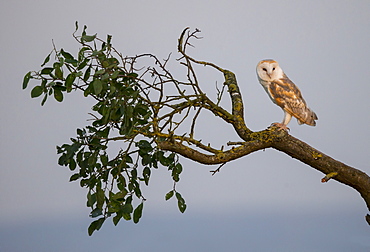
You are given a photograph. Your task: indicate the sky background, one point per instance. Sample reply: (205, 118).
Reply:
(266, 201)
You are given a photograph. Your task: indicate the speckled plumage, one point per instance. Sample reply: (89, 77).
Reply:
(284, 93)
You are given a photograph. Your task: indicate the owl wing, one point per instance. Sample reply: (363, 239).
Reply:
(287, 95)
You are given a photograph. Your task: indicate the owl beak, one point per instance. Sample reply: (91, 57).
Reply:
(268, 75)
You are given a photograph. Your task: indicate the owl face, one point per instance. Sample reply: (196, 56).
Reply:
(269, 70)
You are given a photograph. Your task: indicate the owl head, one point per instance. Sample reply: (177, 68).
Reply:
(269, 70)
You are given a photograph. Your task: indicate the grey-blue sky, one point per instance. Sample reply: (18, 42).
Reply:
(321, 45)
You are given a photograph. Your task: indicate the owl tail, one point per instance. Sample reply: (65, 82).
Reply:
(308, 118)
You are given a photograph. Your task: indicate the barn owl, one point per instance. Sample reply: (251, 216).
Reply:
(284, 93)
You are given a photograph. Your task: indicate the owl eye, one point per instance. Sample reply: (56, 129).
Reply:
(264, 69)
(273, 69)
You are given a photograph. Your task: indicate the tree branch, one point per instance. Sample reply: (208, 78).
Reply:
(348, 175)
(233, 89)
(286, 143)
(218, 158)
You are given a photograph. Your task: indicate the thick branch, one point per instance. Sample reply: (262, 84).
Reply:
(237, 106)
(348, 175)
(282, 141)
(219, 158)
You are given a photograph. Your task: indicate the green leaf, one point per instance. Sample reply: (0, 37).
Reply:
(74, 147)
(91, 199)
(144, 145)
(169, 195)
(51, 84)
(36, 91)
(81, 132)
(44, 82)
(66, 55)
(138, 213)
(72, 164)
(98, 86)
(132, 75)
(74, 177)
(83, 64)
(58, 95)
(104, 133)
(104, 159)
(96, 212)
(127, 208)
(84, 30)
(115, 75)
(62, 160)
(175, 176)
(69, 81)
(87, 73)
(117, 218)
(76, 25)
(92, 158)
(46, 60)
(47, 70)
(126, 216)
(137, 191)
(180, 202)
(120, 196)
(95, 225)
(128, 159)
(146, 159)
(178, 168)
(99, 72)
(100, 197)
(134, 174)
(69, 58)
(109, 38)
(165, 161)
(44, 100)
(59, 73)
(121, 183)
(146, 175)
(26, 79)
(88, 38)
(81, 55)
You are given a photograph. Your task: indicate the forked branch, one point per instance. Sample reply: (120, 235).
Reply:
(270, 138)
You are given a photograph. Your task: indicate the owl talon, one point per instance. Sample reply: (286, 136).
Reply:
(281, 126)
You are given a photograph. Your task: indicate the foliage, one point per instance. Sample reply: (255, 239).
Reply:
(123, 112)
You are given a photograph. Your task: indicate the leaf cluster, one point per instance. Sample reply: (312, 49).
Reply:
(122, 112)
